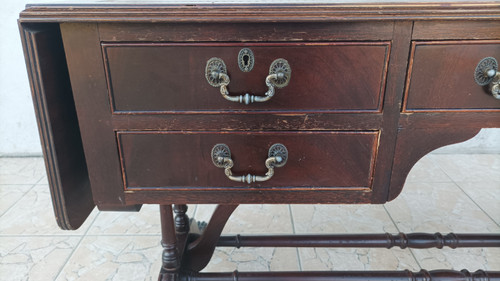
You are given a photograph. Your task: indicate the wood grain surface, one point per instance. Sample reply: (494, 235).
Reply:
(363, 78)
(260, 12)
(182, 160)
(441, 76)
(162, 77)
(57, 123)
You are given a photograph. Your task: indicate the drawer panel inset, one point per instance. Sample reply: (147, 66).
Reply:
(441, 76)
(182, 160)
(170, 77)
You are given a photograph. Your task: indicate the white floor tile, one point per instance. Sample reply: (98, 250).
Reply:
(34, 258)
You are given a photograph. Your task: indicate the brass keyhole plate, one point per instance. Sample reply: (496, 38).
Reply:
(246, 60)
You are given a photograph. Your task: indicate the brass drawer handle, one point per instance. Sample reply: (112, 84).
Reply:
(487, 74)
(279, 77)
(276, 157)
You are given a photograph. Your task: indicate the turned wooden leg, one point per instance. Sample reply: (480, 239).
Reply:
(170, 257)
(181, 219)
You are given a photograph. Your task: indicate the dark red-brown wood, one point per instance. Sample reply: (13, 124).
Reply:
(374, 88)
(170, 257)
(391, 112)
(86, 71)
(182, 160)
(413, 143)
(199, 252)
(441, 76)
(181, 219)
(247, 32)
(261, 12)
(167, 77)
(423, 275)
(386, 240)
(57, 123)
(450, 30)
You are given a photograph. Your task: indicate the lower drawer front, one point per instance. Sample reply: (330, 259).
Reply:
(182, 160)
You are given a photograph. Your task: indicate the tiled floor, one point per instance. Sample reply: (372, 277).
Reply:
(459, 193)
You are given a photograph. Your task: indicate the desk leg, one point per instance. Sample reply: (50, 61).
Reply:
(170, 257)
(181, 219)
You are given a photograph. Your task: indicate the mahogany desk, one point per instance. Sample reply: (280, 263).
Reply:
(275, 104)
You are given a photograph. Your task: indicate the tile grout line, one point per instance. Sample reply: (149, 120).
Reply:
(78, 235)
(190, 218)
(194, 211)
(76, 247)
(42, 177)
(16, 184)
(23, 194)
(479, 206)
(467, 195)
(395, 225)
(17, 202)
(85, 235)
(9, 156)
(294, 232)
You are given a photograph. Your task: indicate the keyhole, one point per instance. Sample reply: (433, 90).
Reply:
(246, 59)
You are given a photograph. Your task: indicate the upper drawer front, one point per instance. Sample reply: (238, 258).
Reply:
(441, 76)
(182, 160)
(169, 78)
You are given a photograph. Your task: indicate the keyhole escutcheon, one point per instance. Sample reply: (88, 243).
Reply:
(246, 60)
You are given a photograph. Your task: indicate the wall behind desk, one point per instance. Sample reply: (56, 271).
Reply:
(18, 129)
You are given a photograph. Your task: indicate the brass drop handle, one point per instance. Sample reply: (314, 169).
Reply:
(276, 157)
(279, 77)
(487, 74)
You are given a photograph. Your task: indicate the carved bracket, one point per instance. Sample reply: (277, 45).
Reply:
(414, 143)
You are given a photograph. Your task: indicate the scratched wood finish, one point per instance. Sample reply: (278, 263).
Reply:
(84, 59)
(258, 121)
(356, 136)
(413, 143)
(246, 32)
(450, 30)
(391, 112)
(353, 12)
(99, 124)
(422, 275)
(57, 123)
(464, 120)
(163, 77)
(316, 160)
(251, 196)
(255, 24)
(441, 76)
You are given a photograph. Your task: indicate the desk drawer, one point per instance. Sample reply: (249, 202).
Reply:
(170, 77)
(441, 76)
(182, 160)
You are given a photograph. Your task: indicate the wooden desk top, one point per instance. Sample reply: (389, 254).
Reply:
(258, 11)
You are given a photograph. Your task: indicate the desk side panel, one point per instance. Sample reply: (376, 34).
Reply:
(57, 124)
